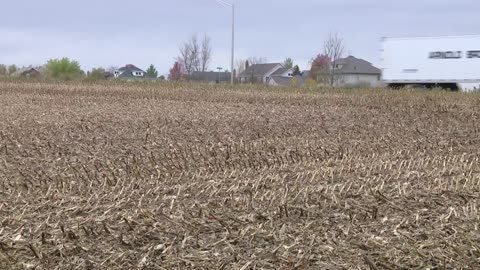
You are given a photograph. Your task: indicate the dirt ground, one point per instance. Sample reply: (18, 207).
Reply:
(145, 176)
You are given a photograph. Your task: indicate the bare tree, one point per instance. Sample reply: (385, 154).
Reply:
(184, 58)
(112, 69)
(195, 57)
(195, 53)
(206, 54)
(257, 60)
(333, 48)
(188, 55)
(240, 66)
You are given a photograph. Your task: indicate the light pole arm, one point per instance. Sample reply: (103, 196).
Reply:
(230, 3)
(233, 43)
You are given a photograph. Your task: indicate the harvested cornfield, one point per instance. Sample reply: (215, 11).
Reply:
(147, 176)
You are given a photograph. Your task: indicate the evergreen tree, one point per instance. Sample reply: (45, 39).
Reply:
(288, 63)
(152, 72)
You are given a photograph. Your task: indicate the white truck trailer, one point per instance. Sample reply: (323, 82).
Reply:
(451, 62)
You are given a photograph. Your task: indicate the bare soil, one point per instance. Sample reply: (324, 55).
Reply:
(145, 176)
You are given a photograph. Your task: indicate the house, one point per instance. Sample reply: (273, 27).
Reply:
(274, 74)
(109, 75)
(353, 71)
(27, 73)
(298, 80)
(130, 72)
(211, 77)
(261, 73)
(283, 72)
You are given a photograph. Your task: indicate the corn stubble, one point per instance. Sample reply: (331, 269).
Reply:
(133, 176)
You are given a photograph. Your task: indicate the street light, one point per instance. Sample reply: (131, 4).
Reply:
(218, 75)
(227, 3)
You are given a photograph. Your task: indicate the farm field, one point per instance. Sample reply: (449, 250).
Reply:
(144, 176)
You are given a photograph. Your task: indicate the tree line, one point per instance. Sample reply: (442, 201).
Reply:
(195, 55)
(68, 69)
(7, 70)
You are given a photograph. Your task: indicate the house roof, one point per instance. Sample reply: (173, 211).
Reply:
(24, 70)
(352, 65)
(130, 68)
(210, 76)
(280, 71)
(127, 70)
(258, 69)
(287, 81)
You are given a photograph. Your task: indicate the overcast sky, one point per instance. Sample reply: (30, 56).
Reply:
(104, 33)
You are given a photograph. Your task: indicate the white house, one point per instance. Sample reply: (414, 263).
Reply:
(129, 72)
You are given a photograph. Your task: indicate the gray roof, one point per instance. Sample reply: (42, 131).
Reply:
(130, 68)
(24, 70)
(287, 81)
(210, 76)
(258, 69)
(352, 65)
(127, 71)
(280, 71)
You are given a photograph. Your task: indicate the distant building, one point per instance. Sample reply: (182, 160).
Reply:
(211, 77)
(349, 72)
(261, 73)
(108, 75)
(129, 72)
(27, 73)
(286, 77)
(353, 71)
(298, 80)
(283, 72)
(274, 74)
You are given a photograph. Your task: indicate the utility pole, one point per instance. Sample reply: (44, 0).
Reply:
(227, 3)
(233, 42)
